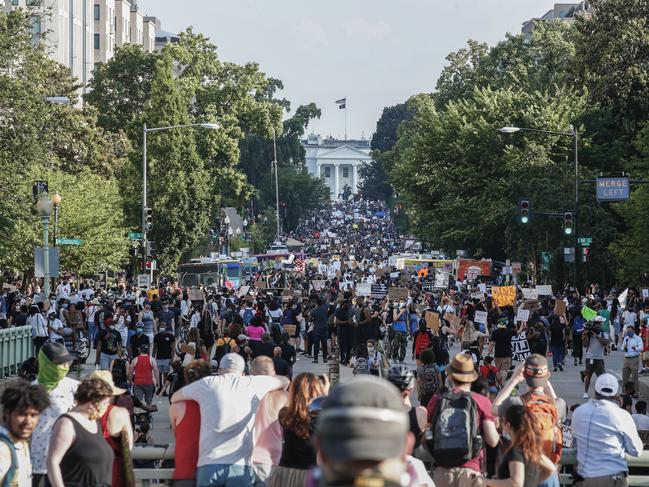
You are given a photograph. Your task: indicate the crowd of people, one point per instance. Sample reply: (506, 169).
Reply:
(475, 408)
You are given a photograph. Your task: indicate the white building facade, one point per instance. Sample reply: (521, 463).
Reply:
(337, 161)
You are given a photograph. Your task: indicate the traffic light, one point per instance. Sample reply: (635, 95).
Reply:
(585, 254)
(567, 222)
(148, 219)
(524, 209)
(151, 248)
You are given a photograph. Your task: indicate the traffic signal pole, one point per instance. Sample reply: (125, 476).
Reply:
(144, 235)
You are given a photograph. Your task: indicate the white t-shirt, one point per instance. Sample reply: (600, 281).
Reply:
(228, 405)
(641, 421)
(56, 325)
(63, 291)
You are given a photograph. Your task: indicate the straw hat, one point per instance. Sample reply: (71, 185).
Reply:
(462, 368)
(107, 377)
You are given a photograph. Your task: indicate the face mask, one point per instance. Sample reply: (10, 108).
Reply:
(165, 307)
(140, 330)
(630, 334)
(162, 329)
(370, 350)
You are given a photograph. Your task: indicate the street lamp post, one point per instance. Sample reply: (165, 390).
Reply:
(145, 131)
(44, 208)
(575, 135)
(276, 183)
(56, 201)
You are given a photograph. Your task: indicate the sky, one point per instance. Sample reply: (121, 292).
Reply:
(376, 53)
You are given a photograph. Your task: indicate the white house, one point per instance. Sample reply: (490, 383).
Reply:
(337, 161)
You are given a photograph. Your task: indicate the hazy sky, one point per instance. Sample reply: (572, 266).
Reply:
(375, 52)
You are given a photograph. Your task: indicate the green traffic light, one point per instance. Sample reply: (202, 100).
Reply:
(524, 219)
(568, 230)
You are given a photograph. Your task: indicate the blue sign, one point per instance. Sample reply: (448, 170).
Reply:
(612, 189)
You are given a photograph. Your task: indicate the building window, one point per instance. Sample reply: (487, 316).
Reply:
(35, 28)
(96, 41)
(345, 172)
(327, 172)
(97, 12)
(32, 3)
(15, 3)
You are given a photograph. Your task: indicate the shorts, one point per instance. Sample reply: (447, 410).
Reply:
(456, 477)
(503, 363)
(595, 365)
(163, 365)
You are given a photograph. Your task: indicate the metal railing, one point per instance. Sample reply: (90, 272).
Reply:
(148, 476)
(16, 346)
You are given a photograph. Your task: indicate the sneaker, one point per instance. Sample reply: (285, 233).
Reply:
(560, 368)
(575, 362)
(581, 363)
(555, 369)
(585, 396)
(315, 361)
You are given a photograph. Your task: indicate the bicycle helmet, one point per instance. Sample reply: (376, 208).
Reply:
(401, 376)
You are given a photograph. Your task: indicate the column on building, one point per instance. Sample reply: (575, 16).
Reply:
(354, 177)
(336, 180)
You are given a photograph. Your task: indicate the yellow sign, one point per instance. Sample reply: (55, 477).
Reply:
(504, 295)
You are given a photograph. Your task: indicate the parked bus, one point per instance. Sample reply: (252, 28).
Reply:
(208, 272)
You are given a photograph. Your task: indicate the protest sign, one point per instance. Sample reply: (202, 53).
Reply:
(545, 290)
(10, 288)
(398, 293)
(560, 307)
(422, 272)
(504, 295)
(243, 291)
(432, 320)
(531, 304)
(379, 291)
(363, 289)
(318, 284)
(477, 295)
(520, 347)
(394, 275)
(196, 295)
(567, 435)
(483, 287)
(530, 293)
(441, 278)
(645, 293)
(587, 313)
(480, 317)
(523, 315)
(453, 319)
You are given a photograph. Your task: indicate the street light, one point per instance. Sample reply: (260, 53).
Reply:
(566, 133)
(44, 207)
(145, 131)
(56, 201)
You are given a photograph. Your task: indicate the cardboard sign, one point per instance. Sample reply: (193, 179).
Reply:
(587, 313)
(545, 290)
(480, 317)
(432, 320)
(196, 295)
(290, 329)
(10, 288)
(520, 347)
(531, 304)
(504, 295)
(318, 284)
(398, 293)
(530, 293)
(560, 307)
(363, 289)
(523, 315)
(379, 291)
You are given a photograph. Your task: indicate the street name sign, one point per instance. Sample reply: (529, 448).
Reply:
(69, 241)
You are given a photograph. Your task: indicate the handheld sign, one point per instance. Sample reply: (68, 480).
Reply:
(432, 320)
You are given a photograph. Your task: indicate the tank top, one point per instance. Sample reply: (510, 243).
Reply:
(89, 460)
(297, 452)
(414, 426)
(143, 371)
(147, 322)
(187, 442)
(268, 444)
(115, 444)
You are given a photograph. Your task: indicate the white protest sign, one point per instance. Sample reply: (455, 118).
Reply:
(483, 287)
(477, 295)
(441, 279)
(545, 290)
(523, 315)
(322, 269)
(530, 293)
(520, 347)
(480, 317)
(363, 289)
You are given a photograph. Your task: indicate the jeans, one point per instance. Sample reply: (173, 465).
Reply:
(92, 332)
(319, 341)
(144, 392)
(557, 355)
(345, 337)
(105, 359)
(222, 475)
(552, 480)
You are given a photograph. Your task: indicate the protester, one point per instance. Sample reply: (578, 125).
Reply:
(632, 347)
(22, 405)
(429, 379)
(403, 379)
(185, 419)
(603, 434)
(227, 404)
(362, 436)
(108, 342)
(298, 453)
(594, 340)
(54, 362)
(501, 346)
(78, 453)
(640, 417)
(143, 373)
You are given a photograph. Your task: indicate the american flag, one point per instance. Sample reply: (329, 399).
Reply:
(299, 265)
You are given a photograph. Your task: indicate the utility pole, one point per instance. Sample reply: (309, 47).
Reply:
(276, 183)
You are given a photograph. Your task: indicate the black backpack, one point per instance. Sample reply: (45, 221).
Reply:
(453, 438)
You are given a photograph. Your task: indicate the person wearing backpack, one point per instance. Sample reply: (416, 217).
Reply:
(541, 400)
(247, 313)
(22, 404)
(429, 379)
(459, 422)
(422, 340)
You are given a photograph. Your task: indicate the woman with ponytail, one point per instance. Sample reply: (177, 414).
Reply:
(523, 463)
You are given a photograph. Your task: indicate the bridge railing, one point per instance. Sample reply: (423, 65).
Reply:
(149, 476)
(16, 346)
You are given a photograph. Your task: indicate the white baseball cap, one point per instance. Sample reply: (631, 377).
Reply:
(606, 385)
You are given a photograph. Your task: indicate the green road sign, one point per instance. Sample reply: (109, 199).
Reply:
(134, 236)
(585, 241)
(69, 241)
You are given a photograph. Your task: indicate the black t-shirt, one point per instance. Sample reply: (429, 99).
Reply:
(164, 342)
(288, 352)
(532, 472)
(502, 338)
(557, 334)
(262, 348)
(342, 315)
(110, 340)
(136, 341)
